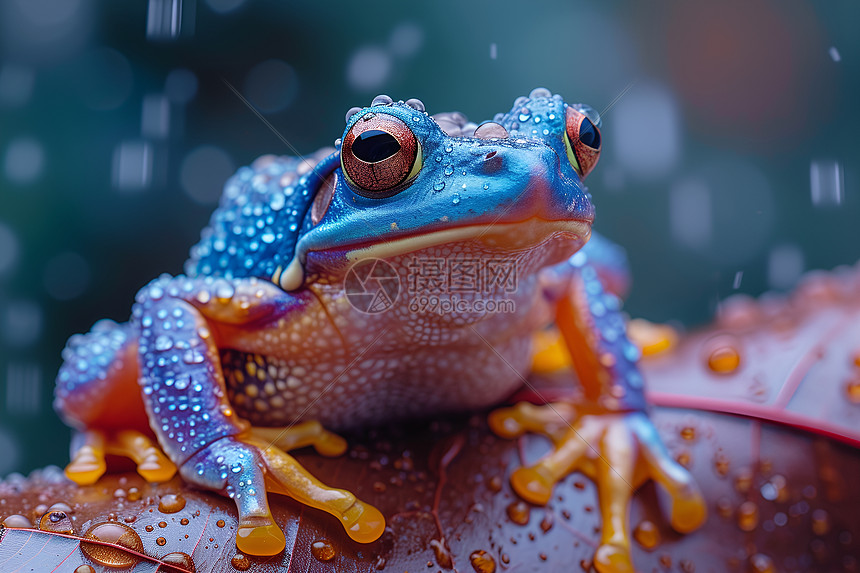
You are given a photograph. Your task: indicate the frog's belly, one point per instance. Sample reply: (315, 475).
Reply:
(369, 390)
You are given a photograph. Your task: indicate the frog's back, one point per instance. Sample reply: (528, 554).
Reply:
(256, 226)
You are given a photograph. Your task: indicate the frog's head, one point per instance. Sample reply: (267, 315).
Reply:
(407, 181)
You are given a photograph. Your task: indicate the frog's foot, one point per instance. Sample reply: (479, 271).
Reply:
(245, 468)
(88, 459)
(618, 451)
(310, 433)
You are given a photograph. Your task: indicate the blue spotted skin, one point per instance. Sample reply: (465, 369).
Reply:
(259, 329)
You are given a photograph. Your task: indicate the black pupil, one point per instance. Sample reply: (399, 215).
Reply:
(374, 145)
(588, 134)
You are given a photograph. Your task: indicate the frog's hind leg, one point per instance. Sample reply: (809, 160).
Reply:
(97, 392)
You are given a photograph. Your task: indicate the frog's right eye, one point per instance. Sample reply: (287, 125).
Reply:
(379, 155)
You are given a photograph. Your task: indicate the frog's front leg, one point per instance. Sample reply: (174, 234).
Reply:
(607, 436)
(181, 324)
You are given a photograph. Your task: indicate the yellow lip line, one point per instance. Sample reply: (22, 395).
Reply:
(418, 242)
(293, 276)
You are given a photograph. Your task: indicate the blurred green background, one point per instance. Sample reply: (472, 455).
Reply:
(730, 160)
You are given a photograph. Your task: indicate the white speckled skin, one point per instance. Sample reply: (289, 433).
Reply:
(347, 368)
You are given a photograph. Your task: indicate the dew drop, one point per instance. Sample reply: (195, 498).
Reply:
(443, 556)
(323, 550)
(448, 170)
(180, 560)
(743, 481)
(17, 521)
(852, 390)
(518, 512)
(85, 568)
(482, 562)
(724, 359)
(748, 516)
(721, 464)
(647, 535)
(439, 186)
(456, 199)
(171, 503)
(161, 541)
(117, 534)
(240, 562)
(56, 521)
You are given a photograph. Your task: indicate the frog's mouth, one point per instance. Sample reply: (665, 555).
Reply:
(516, 236)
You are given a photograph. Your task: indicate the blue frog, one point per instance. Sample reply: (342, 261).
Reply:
(401, 274)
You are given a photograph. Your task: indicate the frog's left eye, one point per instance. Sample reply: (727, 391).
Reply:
(379, 154)
(582, 140)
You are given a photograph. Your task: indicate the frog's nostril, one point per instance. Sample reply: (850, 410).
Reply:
(492, 162)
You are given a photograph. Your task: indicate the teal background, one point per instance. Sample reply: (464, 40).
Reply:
(727, 119)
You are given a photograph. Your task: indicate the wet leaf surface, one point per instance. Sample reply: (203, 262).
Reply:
(775, 494)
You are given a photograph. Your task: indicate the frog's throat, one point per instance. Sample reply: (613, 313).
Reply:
(292, 277)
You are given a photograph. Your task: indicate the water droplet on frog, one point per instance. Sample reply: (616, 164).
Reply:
(220, 523)
(162, 524)
(161, 541)
(133, 494)
(442, 554)
(449, 149)
(117, 534)
(482, 562)
(171, 503)
(647, 535)
(448, 170)
(180, 560)
(236, 468)
(85, 568)
(163, 343)
(456, 199)
(268, 238)
(518, 512)
(149, 528)
(439, 186)
(524, 117)
(323, 550)
(748, 516)
(688, 433)
(240, 562)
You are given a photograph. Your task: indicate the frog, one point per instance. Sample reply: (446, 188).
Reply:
(400, 274)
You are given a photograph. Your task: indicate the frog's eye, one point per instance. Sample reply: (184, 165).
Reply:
(582, 140)
(379, 154)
